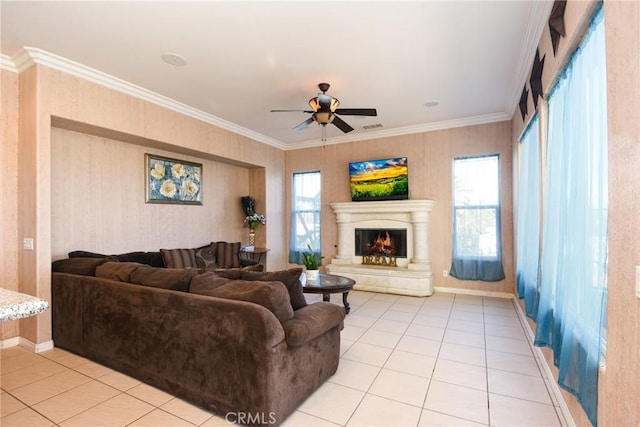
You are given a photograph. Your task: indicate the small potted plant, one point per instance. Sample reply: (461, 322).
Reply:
(312, 262)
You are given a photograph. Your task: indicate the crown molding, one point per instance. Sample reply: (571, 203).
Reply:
(407, 130)
(30, 56)
(33, 55)
(7, 64)
(538, 17)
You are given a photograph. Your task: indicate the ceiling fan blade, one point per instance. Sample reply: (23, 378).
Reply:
(289, 111)
(357, 111)
(304, 124)
(341, 124)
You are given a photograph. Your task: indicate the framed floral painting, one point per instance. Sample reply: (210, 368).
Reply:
(172, 181)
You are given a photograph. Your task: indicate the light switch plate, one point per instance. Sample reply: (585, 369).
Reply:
(637, 281)
(27, 244)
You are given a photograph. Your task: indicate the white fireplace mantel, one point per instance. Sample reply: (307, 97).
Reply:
(413, 276)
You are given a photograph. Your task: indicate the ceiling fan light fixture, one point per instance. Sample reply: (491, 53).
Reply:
(323, 117)
(314, 104)
(334, 104)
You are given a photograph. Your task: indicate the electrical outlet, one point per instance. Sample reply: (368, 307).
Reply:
(445, 273)
(27, 244)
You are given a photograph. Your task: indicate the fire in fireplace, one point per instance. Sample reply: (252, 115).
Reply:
(381, 242)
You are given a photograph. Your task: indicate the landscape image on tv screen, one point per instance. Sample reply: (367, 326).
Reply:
(385, 179)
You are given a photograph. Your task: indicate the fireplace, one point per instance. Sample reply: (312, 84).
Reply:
(389, 242)
(383, 246)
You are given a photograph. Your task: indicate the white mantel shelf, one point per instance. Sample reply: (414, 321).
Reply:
(413, 276)
(16, 305)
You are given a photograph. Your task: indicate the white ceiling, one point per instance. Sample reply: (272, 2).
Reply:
(245, 58)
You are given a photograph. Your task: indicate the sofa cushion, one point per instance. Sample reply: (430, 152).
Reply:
(206, 281)
(206, 257)
(236, 273)
(229, 273)
(153, 259)
(312, 321)
(290, 278)
(120, 271)
(271, 295)
(177, 279)
(179, 258)
(81, 266)
(86, 254)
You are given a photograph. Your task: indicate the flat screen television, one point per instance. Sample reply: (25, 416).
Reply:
(385, 179)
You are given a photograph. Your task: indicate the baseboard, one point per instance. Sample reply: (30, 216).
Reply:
(474, 292)
(10, 342)
(26, 344)
(551, 382)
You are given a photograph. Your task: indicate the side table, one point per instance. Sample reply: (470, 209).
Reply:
(255, 254)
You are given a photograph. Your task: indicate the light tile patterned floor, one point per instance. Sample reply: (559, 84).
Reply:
(446, 360)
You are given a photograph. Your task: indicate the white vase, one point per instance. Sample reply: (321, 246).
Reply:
(312, 275)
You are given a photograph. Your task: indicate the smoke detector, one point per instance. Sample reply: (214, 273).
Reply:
(174, 59)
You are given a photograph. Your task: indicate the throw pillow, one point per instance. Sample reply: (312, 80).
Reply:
(81, 266)
(177, 279)
(120, 271)
(290, 278)
(271, 295)
(206, 257)
(206, 281)
(179, 258)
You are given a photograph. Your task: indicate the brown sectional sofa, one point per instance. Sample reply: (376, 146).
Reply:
(232, 345)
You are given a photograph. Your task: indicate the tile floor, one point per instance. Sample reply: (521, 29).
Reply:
(446, 360)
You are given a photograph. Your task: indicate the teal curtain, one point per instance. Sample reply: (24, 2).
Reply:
(528, 238)
(574, 256)
(305, 215)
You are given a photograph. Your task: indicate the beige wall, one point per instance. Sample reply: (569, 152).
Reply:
(64, 119)
(430, 157)
(98, 203)
(620, 396)
(619, 385)
(9, 204)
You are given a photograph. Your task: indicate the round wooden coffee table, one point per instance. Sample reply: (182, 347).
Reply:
(327, 284)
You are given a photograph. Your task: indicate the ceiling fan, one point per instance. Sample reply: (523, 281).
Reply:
(324, 110)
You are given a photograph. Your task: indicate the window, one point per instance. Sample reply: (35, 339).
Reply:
(477, 252)
(305, 215)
